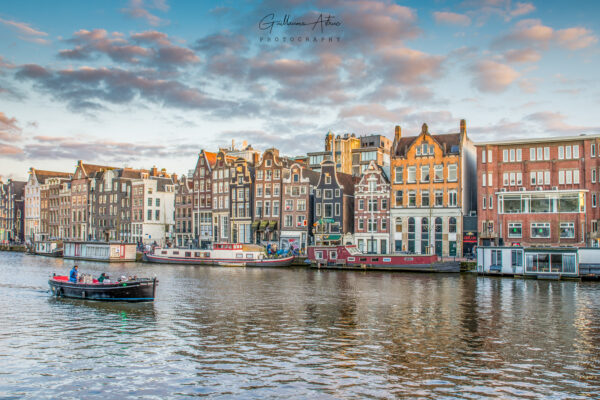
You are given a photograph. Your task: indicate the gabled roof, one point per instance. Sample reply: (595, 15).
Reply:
(446, 142)
(347, 181)
(211, 158)
(42, 175)
(377, 168)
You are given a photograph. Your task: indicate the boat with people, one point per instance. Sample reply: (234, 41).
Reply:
(132, 289)
(221, 254)
(349, 257)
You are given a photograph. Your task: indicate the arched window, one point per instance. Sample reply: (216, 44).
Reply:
(425, 236)
(399, 225)
(438, 236)
(452, 225)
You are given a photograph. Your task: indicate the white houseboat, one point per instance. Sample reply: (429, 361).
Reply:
(99, 251)
(224, 254)
(51, 248)
(539, 262)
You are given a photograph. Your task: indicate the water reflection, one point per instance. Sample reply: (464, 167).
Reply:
(257, 333)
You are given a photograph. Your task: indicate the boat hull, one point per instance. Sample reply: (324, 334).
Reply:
(267, 262)
(130, 291)
(440, 267)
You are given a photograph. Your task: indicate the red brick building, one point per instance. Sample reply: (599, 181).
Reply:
(203, 206)
(539, 191)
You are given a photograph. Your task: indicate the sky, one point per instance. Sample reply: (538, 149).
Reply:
(144, 83)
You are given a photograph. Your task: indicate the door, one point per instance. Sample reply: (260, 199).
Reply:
(122, 254)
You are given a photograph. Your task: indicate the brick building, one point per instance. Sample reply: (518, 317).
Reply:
(64, 210)
(268, 196)
(338, 149)
(433, 178)
(202, 188)
(539, 191)
(376, 148)
(372, 211)
(241, 188)
(297, 212)
(220, 197)
(184, 195)
(333, 204)
(12, 211)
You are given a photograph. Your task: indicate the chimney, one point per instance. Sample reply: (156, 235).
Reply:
(154, 171)
(244, 144)
(397, 133)
(463, 127)
(255, 157)
(424, 128)
(232, 145)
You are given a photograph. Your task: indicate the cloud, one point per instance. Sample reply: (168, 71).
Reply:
(91, 88)
(9, 129)
(492, 76)
(406, 66)
(450, 18)
(554, 122)
(522, 9)
(522, 56)
(138, 9)
(29, 34)
(161, 52)
(483, 9)
(532, 32)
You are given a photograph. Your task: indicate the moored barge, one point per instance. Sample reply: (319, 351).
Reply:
(222, 254)
(99, 251)
(349, 257)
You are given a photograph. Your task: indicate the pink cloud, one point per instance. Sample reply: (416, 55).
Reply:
(522, 56)
(532, 32)
(137, 9)
(30, 34)
(522, 9)
(492, 76)
(575, 38)
(410, 67)
(450, 18)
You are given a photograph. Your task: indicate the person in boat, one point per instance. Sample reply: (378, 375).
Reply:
(74, 274)
(102, 277)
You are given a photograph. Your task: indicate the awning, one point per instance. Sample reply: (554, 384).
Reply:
(254, 225)
(263, 225)
(272, 225)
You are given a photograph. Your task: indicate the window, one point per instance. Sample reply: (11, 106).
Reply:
(288, 220)
(519, 178)
(149, 202)
(519, 155)
(399, 198)
(576, 176)
(489, 156)
(412, 198)
(301, 205)
(425, 173)
(327, 179)
(593, 199)
(328, 210)
(289, 205)
(561, 152)
(540, 153)
(567, 230)
(267, 208)
(515, 230)
(301, 220)
(372, 225)
(489, 179)
(337, 209)
(337, 193)
(547, 177)
(276, 189)
(452, 198)
(483, 178)
(516, 257)
(483, 200)
(318, 210)
(568, 152)
(594, 175)
(452, 225)
(540, 230)
(157, 202)
(496, 257)
(372, 204)
(438, 171)
(328, 194)
(399, 178)
(452, 173)
(275, 208)
(593, 150)
(561, 177)
(258, 208)
(412, 174)
(505, 155)
(546, 153)
(512, 179)
(576, 151)
(439, 198)
(483, 156)
(569, 177)
(149, 215)
(491, 202)
(384, 203)
(504, 179)
(361, 224)
(259, 175)
(532, 154)
(425, 198)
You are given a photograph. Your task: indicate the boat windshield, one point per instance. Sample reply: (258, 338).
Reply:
(353, 250)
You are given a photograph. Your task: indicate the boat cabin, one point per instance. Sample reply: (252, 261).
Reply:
(500, 260)
(551, 262)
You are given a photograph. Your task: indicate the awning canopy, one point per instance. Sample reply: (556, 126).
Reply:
(263, 225)
(332, 237)
(255, 224)
(272, 225)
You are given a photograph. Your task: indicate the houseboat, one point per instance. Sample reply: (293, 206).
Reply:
(99, 251)
(349, 257)
(223, 254)
(539, 262)
(51, 248)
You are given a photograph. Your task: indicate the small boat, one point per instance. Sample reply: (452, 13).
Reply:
(222, 254)
(349, 257)
(135, 290)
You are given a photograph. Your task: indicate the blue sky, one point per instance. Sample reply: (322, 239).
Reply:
(151, 82)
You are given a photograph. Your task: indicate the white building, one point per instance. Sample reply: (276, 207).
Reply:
(157, 209)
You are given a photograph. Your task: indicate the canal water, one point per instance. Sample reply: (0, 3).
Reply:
(297, 333)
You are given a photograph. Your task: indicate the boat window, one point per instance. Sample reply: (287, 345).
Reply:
(207, 254)
(163, 252)
(387, 260)
(239, 256)
(319, 255)
(196, 254)
(175, 253)
(350, 258)
(188, 253)
(363, 259)
(249, 256)
(376, 259)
